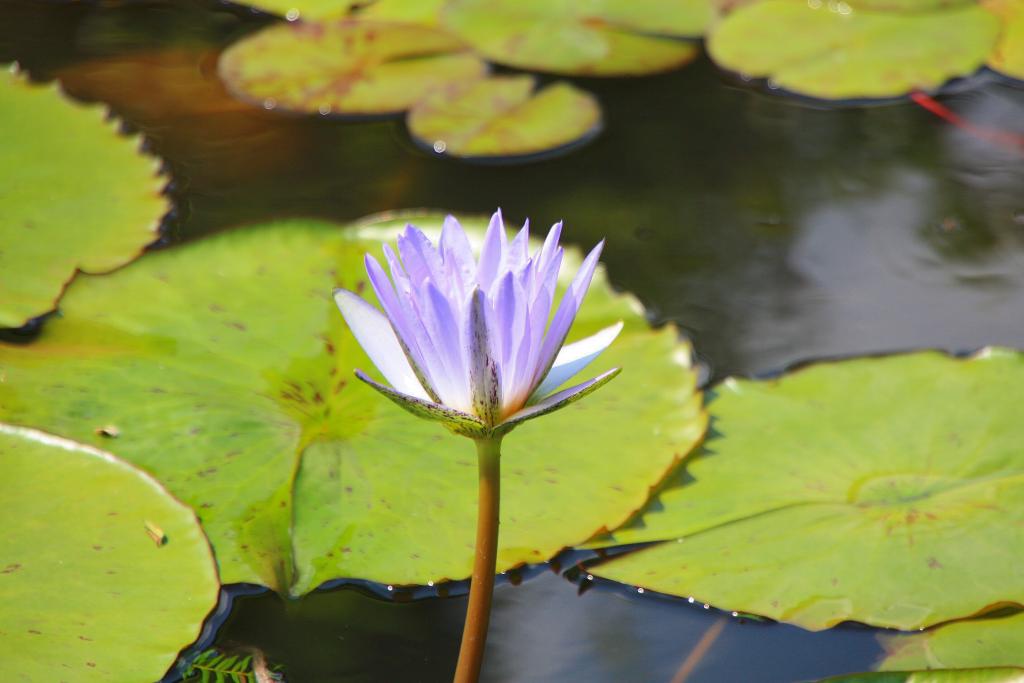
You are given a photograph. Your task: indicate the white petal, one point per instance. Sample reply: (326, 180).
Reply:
(374, 333)
(576, 356)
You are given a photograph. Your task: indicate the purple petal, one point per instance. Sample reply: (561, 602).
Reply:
(560, 400)
(484, 373)
(518, 251)
(574, 357)
(405, 330)
(456, 254)
(566, 314)
(491, 252)
(547, 252)
(419, 257)
(442, 324)
(374, 333)
(455, 420)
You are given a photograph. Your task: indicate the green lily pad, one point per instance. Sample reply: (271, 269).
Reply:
(987, 675)
(1008, 56)
(227, 371)
(424, 12)
(962, 644)
(75, 195)
(345, 67)
(104, 576)
(832, 51)
(880, 490)
(594, 38)
(503, 117)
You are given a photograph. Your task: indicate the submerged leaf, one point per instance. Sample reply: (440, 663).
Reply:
(74, 195)
(503, 117)
(230, 374)
(834, 51)
(86, 594)
(345, 67)
(880, 490)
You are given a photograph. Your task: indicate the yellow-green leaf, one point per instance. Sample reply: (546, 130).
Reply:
(74, 195)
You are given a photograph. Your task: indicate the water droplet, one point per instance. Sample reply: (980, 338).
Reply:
(772, 85)
(690, 599)
(590, 577)
(324, 109)
(707, 606)
(639, 590)
(269, 103)
(391, 588)
(735, 614)
(430, 583)
(292, 14)
(814, 4)
(844, 9)
(440, 146)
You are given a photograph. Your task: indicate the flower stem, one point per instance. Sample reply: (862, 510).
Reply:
(481, 586)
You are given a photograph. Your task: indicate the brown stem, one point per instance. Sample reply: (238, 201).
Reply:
(481, 586)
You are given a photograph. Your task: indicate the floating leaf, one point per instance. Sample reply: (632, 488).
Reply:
(606, 38)
(307, 10)
(345, 67)
(504, 117)
(971, 643)
(74, 195)
(831, 51)
(85, 593)
(424, 12)
(881, 490)
(907, 6)
(988, 675)
(1008, 56)
(228, 372)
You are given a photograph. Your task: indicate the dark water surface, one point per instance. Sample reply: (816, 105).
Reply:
(769, 230)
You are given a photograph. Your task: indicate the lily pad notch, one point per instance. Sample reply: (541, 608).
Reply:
(68, 177)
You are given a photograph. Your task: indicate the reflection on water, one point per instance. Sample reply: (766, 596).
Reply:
(770, 231)
(540, 631)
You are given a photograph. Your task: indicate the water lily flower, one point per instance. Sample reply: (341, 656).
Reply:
(467, 342)
(472, 343)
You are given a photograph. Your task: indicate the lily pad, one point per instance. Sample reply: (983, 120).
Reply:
(75, 195)
(307, 10)
(424, 12)
(595, 38)
(503, 117)
(971, 643)
(880, 490)
(351, 66)
(987, 675)
(227, 371)
(831, 51)
(1008, 56)
(104, 576)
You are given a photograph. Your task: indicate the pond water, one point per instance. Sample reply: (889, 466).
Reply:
(771, 231)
